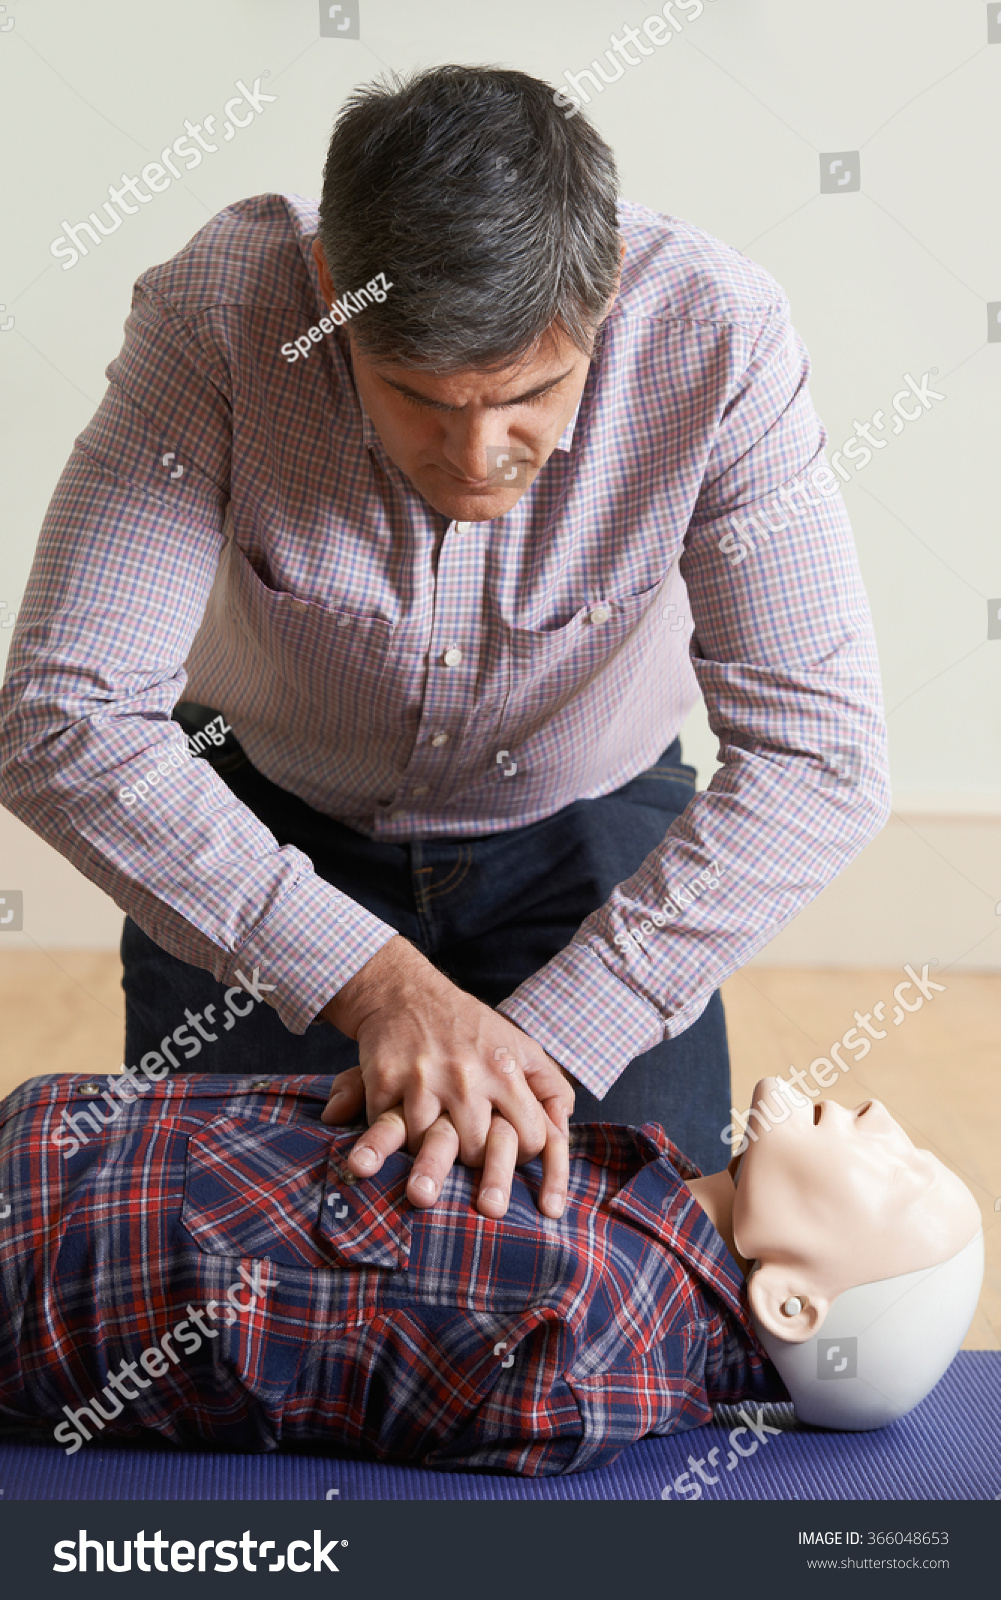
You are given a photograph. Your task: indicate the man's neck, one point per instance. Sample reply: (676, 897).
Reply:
(715, 1195)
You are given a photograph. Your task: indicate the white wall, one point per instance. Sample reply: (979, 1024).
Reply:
(725, 127)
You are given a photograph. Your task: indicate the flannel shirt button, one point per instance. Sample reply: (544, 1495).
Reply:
(261, 1083)
(89, 1091)
(600, 612)
(439, 739)
(452, 656)
(463, 527)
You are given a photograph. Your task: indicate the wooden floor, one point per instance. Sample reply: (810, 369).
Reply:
(938, 1072)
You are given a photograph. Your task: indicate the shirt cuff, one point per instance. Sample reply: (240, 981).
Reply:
(307, 948)
(587, 1019)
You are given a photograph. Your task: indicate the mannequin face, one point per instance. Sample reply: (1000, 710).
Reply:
(832, 1198)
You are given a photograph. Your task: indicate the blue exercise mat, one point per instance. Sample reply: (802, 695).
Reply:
(948, 1448)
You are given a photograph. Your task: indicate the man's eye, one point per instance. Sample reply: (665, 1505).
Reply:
(506, 405)
(425, 405)
(533, 400)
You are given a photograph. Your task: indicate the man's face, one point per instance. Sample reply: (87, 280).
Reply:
(470, 442)
(845, 1194)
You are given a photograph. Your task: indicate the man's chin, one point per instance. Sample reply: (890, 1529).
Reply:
(482, 507)
(466, 505)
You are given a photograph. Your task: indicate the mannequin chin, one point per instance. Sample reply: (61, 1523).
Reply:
(841, 1225)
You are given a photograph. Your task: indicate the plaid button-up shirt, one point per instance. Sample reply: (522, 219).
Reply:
(437, 1337)
(229, 526)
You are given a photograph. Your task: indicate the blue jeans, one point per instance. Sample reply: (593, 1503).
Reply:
(488, 911)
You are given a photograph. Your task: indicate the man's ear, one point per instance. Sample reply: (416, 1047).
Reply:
(770, 1286)
(323, 271)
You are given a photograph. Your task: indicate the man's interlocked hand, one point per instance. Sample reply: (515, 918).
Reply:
(449, 1078)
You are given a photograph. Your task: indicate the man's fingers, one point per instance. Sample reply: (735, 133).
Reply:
(529, 1078)
(434, 1162)
(499, 1161)
(387, 1133)
(550, 1084)
(514, 1099)
(421, 1110)
(555, 1162)
(347, 1097)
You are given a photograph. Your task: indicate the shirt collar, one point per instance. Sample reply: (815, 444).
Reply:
(658, 1201)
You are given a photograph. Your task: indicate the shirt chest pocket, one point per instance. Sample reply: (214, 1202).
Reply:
(549, 666)
(315, 664)
(282, 1193)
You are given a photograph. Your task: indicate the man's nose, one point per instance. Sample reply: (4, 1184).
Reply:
(472, 446)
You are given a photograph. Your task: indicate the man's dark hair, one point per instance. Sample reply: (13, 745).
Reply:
(492, 215)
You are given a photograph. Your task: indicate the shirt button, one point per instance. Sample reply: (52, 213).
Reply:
(439, 739)
(421, 788)
(88, 1091)
(344, 622)
(452, 656)
(463, 527)
(600, 612)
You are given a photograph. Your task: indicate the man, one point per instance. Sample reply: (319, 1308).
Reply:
(200, 1264)
(449, 565)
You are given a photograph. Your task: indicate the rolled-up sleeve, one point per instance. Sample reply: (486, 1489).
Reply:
(123, 570)
(784, 653)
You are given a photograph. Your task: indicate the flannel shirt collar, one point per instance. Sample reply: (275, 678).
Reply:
(657, 1201)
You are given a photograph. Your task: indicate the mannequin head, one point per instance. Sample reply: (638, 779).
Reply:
(853, 1230)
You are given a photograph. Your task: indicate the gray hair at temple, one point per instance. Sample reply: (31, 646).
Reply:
(493, 215)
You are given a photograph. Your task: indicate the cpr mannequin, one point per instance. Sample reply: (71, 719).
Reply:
(864, 1257)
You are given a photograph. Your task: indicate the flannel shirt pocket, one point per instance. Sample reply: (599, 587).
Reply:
(283, 1193)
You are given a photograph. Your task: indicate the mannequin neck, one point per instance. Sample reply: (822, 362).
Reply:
(715, 1194)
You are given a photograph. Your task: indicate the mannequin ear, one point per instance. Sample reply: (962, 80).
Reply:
(769, 1287)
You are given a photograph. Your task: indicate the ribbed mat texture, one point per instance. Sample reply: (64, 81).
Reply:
(949, 1448)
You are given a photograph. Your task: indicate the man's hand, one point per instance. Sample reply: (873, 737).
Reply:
(435, 1066)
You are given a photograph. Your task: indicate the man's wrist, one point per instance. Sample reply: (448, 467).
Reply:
(385, 973)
